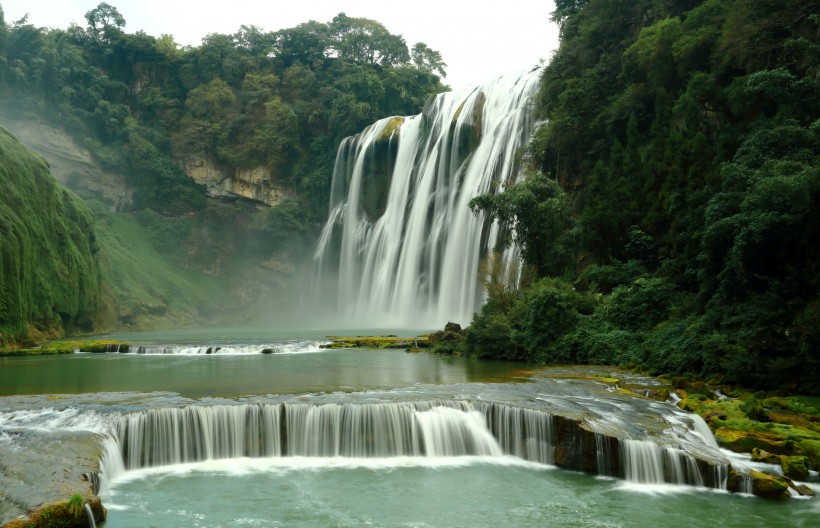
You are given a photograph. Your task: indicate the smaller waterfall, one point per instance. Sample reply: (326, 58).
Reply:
(603, 456)
(525, 433)
(293, 347)
(90, 516)
(450, 432)
(650, 463)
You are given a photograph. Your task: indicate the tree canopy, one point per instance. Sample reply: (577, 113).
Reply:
(685, 134)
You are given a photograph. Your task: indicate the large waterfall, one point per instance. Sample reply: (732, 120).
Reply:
(401, 247)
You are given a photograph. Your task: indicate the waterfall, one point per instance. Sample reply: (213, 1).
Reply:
(650, 463)
(443, 428)
(401, 246)
(90, 516)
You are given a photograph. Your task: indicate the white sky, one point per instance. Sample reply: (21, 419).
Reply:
(478, 39)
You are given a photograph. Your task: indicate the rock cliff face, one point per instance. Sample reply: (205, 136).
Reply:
(253, 184)
(71, 165)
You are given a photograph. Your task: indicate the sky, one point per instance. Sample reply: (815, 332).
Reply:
(478, 40)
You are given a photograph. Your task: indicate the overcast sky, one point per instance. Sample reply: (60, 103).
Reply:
(478, 39)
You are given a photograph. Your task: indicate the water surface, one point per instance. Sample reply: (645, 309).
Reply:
(468, 492)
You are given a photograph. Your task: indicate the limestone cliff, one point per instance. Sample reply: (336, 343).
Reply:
(254, 184)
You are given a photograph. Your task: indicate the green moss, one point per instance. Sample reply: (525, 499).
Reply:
(769, 486)
(376, 342)
(49, 275)
(150, 289)
(790, 427)
(390, 128)
(66, 347)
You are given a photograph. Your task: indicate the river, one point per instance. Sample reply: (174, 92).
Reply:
(309, 437)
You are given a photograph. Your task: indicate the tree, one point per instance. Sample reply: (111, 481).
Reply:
(428, 59)
(538, 215)
(367, 41)
(104, 23)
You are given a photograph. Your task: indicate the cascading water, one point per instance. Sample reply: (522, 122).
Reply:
(407, 243)
(432, 429)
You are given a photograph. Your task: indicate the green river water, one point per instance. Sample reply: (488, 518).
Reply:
(474, 492)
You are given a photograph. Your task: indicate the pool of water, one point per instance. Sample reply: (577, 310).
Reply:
(298, 369)
(467, 492)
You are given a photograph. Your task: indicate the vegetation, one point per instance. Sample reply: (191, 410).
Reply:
(775, 429)
(273, 103)
(49, 271)
(671, 215)
(388, 341)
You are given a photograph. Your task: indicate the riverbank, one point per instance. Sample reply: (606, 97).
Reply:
(51, 348)
(774, 428)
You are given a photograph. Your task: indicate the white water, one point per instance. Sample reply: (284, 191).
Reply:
(410, 257)
(90, 516)
(294, 347)
(406, 430)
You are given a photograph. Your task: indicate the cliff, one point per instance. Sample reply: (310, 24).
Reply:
(50, 280)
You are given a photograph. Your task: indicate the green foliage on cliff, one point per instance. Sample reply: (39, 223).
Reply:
(279, 100)
(49, 275)
(687, 135)
(277, 103)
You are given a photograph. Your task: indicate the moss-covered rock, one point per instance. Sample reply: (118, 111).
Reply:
(390, 341)
(760, 455)
(769, 486)
(64, 514)
(742, 441)
(795, 467)
(70, 346)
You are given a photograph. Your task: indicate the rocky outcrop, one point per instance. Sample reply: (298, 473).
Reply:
(71, 165)
(44, 471)
(253, 184)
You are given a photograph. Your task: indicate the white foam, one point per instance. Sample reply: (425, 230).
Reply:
(283, 465)
(51, 419)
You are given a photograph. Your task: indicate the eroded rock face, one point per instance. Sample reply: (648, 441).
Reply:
(71, 165)
(254, 184)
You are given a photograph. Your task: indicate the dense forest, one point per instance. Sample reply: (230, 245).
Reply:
(269, 107)
(671, 216)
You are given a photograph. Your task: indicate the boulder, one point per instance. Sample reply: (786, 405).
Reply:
(795, 467)
(769, 486)
(761, 455)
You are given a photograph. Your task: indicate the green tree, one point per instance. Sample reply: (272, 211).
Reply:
(428, 59)
(537, 214)
(105, 23)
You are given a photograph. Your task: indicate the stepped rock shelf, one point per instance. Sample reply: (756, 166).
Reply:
(93, 438)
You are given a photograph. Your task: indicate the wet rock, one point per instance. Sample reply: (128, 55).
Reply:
(43, 472)
(745, 441)
(769, 486)
(761, 455)
(803, 490)
(795, 467)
